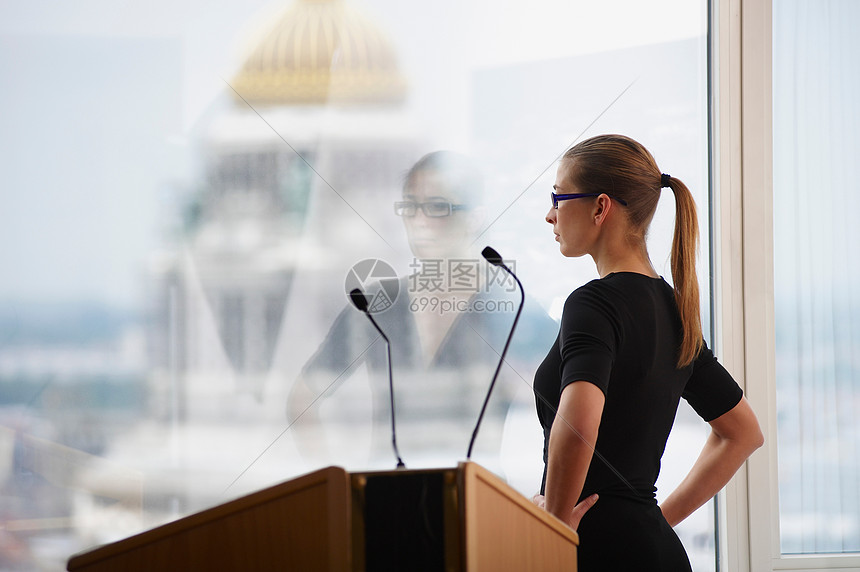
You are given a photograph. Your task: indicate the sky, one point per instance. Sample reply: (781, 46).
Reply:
(101, 100)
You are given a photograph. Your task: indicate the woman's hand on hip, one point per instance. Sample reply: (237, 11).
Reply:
(576, 514)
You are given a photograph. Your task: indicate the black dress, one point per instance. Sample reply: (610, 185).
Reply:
(622, 334)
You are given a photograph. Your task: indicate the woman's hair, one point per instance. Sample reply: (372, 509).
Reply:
(459, 174)
(623, 168)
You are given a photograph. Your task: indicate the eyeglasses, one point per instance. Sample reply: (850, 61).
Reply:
(434, 209)
(567, 197)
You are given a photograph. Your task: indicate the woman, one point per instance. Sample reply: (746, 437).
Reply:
(629, 347)
(443, 354)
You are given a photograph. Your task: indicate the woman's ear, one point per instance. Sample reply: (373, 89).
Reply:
(602, 207)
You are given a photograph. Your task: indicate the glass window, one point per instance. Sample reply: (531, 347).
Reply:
(817, 306)
(190, 192)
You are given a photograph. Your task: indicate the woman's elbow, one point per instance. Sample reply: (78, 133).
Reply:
(751, 438)
(740, 427)
(756, 439)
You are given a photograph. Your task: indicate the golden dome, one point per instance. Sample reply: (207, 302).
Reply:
(321, 51)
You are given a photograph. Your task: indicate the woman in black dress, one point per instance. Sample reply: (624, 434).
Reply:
(629, 347)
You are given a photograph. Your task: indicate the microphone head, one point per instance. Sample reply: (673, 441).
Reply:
(359, 300)
(492, 256)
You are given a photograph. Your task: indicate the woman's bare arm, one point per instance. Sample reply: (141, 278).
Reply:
(571, 446)
(734, 436)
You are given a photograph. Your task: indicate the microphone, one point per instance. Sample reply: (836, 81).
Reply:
(359, 300)
(495, 259)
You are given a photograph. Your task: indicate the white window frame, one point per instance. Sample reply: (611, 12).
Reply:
(742, 96)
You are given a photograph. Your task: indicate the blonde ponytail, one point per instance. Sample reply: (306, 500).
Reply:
(685, 245)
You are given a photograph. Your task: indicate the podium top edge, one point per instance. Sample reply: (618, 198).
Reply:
(331, 474)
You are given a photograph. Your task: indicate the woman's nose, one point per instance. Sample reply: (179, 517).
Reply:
(550, 216)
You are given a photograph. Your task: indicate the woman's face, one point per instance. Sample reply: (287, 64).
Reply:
(571, 221)
(432, 238)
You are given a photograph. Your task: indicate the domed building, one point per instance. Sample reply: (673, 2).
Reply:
(312, 123)
(300, 161)
(321, 52)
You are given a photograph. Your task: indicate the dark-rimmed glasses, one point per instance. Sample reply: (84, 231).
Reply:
(567, 197)
(434, 209)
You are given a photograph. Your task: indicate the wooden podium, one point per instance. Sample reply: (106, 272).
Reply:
(440, 519)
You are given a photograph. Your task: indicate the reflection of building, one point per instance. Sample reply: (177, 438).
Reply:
(321, 52)
(314, 121)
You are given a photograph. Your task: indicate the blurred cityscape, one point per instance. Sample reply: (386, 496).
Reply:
(118, 417)
(116, 420)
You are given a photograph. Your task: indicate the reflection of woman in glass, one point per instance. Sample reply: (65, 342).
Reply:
(629, 347)
(442, 214)
(447, 327)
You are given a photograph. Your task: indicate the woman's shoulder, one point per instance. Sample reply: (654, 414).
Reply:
(595, 295)
(630, 285)
(584, 292)
(620, 294)
(618, 285)
(595, 308)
